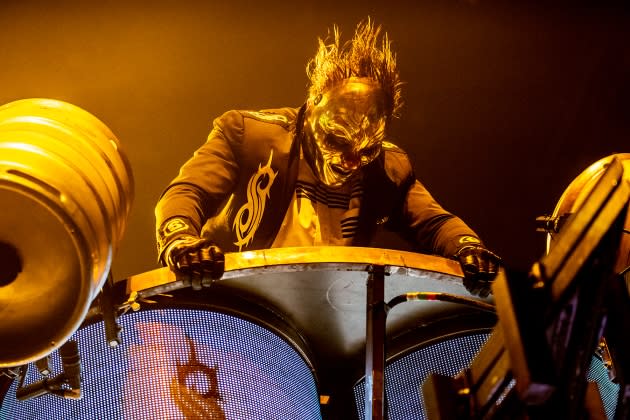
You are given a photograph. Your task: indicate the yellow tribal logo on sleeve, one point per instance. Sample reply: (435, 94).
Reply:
(175, 224)
(248, 218)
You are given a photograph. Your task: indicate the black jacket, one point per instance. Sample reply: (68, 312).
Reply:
(248, 168)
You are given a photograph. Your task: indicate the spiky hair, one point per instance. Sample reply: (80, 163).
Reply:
(367, 54)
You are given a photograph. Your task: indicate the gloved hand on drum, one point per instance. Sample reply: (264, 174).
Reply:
(187, 254)
(480, 267)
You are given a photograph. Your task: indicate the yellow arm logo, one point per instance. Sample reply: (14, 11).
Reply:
(248, 218)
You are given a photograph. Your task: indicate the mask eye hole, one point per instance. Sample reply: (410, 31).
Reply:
(334, 142)
(370, 153)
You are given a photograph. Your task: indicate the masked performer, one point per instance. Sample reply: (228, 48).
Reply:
(321, 174)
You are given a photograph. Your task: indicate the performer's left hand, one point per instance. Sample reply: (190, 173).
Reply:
(480, 267)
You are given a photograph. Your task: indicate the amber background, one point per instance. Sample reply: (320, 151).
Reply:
(506, 102)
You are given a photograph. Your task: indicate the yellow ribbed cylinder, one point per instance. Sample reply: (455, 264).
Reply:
(66, 190)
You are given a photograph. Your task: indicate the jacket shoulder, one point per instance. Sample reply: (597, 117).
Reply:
(392, 148)
(284, 117)
(396, 162)
(234, 124)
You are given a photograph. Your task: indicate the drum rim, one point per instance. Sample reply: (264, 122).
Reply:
(294, 259)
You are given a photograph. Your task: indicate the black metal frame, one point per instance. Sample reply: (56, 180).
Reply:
(534, 364)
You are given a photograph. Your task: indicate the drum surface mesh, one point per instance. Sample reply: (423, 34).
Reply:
(608, 390)
(404, 376)
(178, 364)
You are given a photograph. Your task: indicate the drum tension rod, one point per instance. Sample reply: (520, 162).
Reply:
(134, 300)
(109, 312)
(376, 313)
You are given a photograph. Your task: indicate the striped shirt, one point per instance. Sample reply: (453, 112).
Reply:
(319, 215)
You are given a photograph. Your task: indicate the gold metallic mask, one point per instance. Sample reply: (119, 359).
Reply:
(344, 129)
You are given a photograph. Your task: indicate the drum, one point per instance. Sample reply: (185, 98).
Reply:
(444, 346)
(66, 189)
(570, 202)
(574, 195)
(281, 335)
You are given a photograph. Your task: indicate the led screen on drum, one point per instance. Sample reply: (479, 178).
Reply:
(180, 364)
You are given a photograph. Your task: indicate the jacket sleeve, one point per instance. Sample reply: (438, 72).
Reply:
(203, 183)
(432, 228)
(420, 218)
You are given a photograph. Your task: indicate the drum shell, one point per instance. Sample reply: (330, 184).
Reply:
(66, 189)
(578, 190)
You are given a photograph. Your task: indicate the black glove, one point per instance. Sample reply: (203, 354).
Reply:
(196, 257)
(480, 267)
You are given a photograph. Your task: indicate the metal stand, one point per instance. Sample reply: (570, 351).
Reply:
(375, 327)
(110, 312)
(375, 345)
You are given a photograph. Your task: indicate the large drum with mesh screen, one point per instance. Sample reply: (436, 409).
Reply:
(65, 189)
(182, 362)
(447, 347)
(280, 336)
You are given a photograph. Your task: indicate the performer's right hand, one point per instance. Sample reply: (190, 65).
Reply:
(196, 257)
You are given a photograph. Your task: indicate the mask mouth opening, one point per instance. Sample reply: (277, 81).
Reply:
(340, 171)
